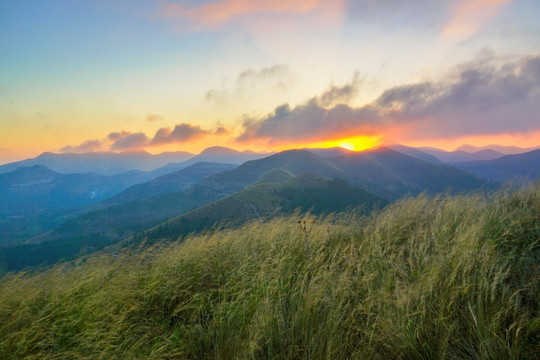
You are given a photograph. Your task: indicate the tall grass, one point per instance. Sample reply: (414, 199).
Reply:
(444, 278)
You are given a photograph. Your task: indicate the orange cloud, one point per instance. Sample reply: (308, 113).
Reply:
(469, 15)
(153, 117)
(216, 13)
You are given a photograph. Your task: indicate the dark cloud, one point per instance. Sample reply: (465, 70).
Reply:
(478, 99)
(221, 130)
(86, 146)
(180, 133)
(126, 140)
(340, 94)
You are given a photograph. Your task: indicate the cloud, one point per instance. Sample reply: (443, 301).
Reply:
(340, 95)
(249, 77)
(476, 99)
(218, 12)
(453, 18)
(180, 133)
(221, 130)
(276, 76)
(216, 96)
(469, 15)
(117, 135)
(126, 140)
(153, 117)
(86, 146)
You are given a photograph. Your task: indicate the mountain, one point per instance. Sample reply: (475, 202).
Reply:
(295, 162)
(414, 152)
(104, 163)
(328, 152)
(517, 169)
(506, 150)
(391, 174)
(274, 176)
(118, 220)
(37, 189)
(35, 199)
(383, 172)
(169, 183)
(215, 154)
(306, 192)
(460, 156)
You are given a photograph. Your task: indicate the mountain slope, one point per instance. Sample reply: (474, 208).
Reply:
(518, 169)
(169, 183)
(307, 192)
(215, 154)
(506, 150)
(391, 174)
(36, 199)
(414, 152)
(460, 155)
(295, 162)
(121, 220)
(36, 189)
(118, 220)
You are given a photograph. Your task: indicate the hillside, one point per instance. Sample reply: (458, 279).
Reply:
(36, 189)
(444, 278)
(517, 169)
(214, 154)
(200, 211)
(36, 199)
(307, 192)
(169, 183)
(391, 174)
(295, 162)
(414, 152)
(461, 155)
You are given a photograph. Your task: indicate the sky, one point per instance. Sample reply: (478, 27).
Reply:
(81, 75)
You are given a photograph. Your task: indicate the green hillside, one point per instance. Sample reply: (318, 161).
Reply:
(167, 184)
(303, 193)
(446, 278)
(274, 176)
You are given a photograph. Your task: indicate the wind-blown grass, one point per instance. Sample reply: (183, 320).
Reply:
(447, 278)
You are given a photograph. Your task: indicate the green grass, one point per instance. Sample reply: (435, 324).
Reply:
(445, 278)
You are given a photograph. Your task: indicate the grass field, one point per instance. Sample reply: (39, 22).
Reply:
(426, 278)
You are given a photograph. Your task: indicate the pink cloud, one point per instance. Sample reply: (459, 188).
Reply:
(469, 15)
(216, 13)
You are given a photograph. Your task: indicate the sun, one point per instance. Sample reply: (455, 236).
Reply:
(347, 145)
(359, 143)
(354, 143)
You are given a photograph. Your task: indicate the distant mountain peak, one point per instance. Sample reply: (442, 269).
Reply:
(221, 150)
(34, 169)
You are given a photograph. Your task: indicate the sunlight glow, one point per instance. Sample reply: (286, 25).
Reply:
(357, 143)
